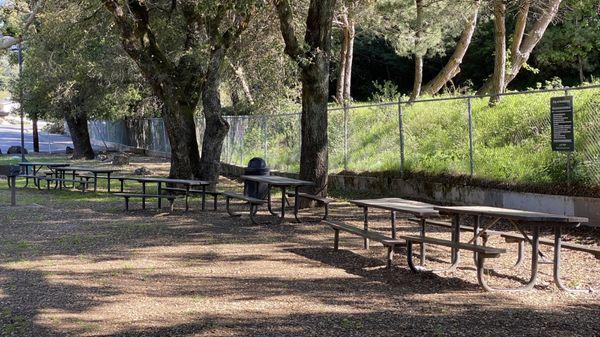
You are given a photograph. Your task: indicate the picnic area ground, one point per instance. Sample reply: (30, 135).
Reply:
(74, 264)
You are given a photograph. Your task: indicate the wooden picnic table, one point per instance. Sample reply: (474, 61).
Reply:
(36, 167)
(187, 183)
(408, 208)
(93, 170)
(283, 183)
(519, 219)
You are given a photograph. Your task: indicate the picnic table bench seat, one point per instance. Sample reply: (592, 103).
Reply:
(483, 252)
(253, 202)
(143, 196)
(82, 184)
(324, 200)
(386, 241)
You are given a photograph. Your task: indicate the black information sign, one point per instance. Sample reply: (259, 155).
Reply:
(561, 111)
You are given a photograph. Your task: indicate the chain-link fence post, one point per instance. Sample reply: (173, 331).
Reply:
(569, 153)
(345, 106)
(471, 159)
(401, 130)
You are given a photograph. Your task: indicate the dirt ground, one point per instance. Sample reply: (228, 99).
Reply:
(75, 264)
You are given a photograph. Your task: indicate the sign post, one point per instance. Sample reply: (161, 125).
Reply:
(562, 129)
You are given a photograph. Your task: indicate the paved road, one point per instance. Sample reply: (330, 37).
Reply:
(10, 134)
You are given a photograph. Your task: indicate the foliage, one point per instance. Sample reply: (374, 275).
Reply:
(73, 65)
(575, 41)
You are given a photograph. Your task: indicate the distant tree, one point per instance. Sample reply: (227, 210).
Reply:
(74, 71)
(452, 67)
(414, 28)
(575, 40)
(523, 41)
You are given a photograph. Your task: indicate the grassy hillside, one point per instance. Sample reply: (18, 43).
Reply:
(511, 140)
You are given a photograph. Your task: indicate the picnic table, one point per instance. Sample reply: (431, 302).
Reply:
(187, 183)
(283, 183)
(95, 171)
(520, 220)
(35, 168)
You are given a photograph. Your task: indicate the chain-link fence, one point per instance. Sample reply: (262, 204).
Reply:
(509, 141)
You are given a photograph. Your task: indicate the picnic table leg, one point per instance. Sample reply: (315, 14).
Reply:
(556, 271)
(282, 204)
(393, 220)
(27, 173)
(187, 194)
(270, 202)
(366, 225)
(159, 192)
(108, 178)
(535, 242)
(122, 181)
(143, 192)
(423, 243)
(296, 203)
(13, 190)
(476, 225)
(95, 181)
(204, 197)
(456, 238)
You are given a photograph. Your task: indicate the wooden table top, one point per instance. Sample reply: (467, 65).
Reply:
(189, 182)
(511, 214)
(277, 180)
(417, 208)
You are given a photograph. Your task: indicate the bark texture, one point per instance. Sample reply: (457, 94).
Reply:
(313, 61)
(344, 83)
(524, 43)
(78, 128)
(499, 49)
(418, 55)
(452, 67)
(36, 135)
(179, 85)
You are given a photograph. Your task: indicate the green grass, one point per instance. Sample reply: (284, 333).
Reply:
(511, 140)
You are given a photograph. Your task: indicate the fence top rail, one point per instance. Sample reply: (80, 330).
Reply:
(439, 99)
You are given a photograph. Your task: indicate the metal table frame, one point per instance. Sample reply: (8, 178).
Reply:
(410, 208)
(519, 219)
(159, 181)
(39, 165)
(283, 183)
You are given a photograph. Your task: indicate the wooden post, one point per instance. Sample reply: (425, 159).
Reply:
(13, 190)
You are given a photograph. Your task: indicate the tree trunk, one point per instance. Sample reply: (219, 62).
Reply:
(216, 126)
(520, 25)
(531, 40)
(499, 50)
(36, 136)
(418, 53)
(241, 77)
(580, 66)
(314, 149)
(452, 68)
(78, 128)
(520, 55)
(349, 59)
(181, 130)
(315, 86)
(341, 82)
